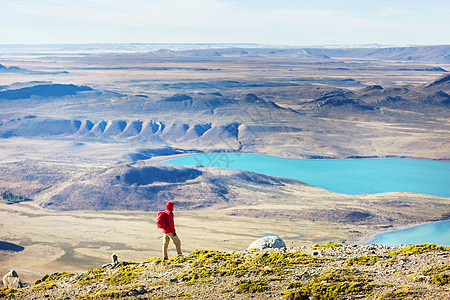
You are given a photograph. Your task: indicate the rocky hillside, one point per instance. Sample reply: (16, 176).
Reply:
(329, 271)
(148, 187)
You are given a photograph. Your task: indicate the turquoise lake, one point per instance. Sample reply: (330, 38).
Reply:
(436, 233)
(347, 176)
(352, 176)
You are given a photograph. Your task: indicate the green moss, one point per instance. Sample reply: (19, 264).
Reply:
(124, 275)
(383, 262)
(174, 261)
(7, 293)
(294, 285)
(267, 263)
(156, 260)
(196, 275)
(45, 286)
(252, 286)
(302, 294)
(419, 249)
(108, 294)
(326, 246)
(205, 257)
(183, 295)
(333, 284)
(177, 295)
(431, 271)
(413, 276)
(227, 289)
(363, 260)
(54, 277)
(440, 279)
(402, 294)
(92, 275)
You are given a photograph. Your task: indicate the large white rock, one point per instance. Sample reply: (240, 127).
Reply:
(12, 280)
(267, 242)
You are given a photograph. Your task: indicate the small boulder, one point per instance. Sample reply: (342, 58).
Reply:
(267, 242)
(114, 259)
(12, 280)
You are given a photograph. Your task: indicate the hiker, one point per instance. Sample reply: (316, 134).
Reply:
(166, 223)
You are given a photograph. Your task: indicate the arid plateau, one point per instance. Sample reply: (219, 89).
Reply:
(85, 131)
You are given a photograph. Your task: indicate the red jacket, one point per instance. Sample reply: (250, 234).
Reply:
(170, 223)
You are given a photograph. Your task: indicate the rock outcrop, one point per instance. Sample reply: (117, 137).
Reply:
(12, 280)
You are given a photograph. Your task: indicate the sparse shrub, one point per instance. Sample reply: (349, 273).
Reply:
(195, 275)
(7, 293)
(267, 263)
(204, 257)
(250, 286)
(175, 260)
(156, 260)
(440, 279)
(54, 277)
(294, 285)
(419, 249)
(45, 286)
(91, 275)
(108, 294)
(302, 294)
(326, 246)
(383, 262)
(227, 289)
(124, 275)
(363, 260)
(431, 271)
(183, 295)
(11, 198)
(405, 293)
(338, 284)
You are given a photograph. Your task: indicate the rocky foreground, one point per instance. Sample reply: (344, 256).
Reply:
(330, 271)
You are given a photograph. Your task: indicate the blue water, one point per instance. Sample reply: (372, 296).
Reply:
(270, 234)
(348, 176)
(437, 233)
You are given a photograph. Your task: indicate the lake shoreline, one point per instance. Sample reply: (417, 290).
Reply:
(165, 158)
(368, 238)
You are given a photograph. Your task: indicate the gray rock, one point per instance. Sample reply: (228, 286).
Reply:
(12, 280)
(141, 290)
(267, 242)
(133, 292)
(114, 259)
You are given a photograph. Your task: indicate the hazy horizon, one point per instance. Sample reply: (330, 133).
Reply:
(290, 23)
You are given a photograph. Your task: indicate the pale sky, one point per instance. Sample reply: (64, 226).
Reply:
(289, 22)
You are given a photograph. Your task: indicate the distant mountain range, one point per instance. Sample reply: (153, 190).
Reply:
(13, 69)
(438, 53)
(422, 53)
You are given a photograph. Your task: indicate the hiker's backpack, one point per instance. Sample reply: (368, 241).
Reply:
(161, 221)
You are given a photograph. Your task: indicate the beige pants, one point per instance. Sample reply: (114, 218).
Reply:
(166, 239)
